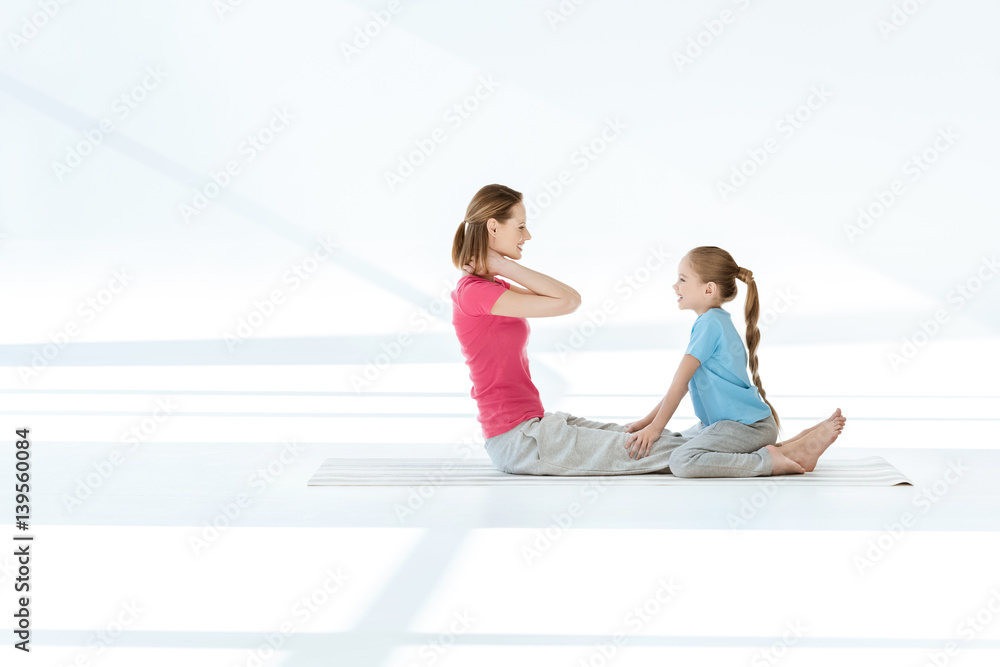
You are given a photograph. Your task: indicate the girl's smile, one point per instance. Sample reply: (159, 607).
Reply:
(692, 293)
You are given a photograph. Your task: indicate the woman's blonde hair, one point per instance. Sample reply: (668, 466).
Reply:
(715, 265)
(472, 240)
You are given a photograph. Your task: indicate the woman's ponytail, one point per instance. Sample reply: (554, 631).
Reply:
(458, 245)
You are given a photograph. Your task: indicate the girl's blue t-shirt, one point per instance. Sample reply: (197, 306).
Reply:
(721, 387)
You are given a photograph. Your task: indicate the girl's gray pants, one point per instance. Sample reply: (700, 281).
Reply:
(561, 444)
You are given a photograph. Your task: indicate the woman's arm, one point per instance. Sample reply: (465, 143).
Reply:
(520, 290)
(539, 283)
(548, 297)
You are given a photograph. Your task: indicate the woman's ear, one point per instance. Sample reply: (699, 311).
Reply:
(491, 226)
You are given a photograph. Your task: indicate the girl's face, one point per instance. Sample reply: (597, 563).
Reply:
(692, 294)
(508, 237)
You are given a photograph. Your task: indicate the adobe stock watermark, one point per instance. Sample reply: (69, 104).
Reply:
(301, 611)
(105, 468)
(121, 108)
(582, 158)
(637, 618)
(264, 308)
(391, 351)
(470, 444)
(786, 126)
(247, 151)
(454, 116)
(927, 329)
(968, 628)
(223, 8)
(923, 500)
(546, 538)
(32, 24)
(431, 651)
(625, 287)
(750, 506)
(704, 39)
(794, 631)
(913, 168)
(8, 568)
(88, 309)
(783, 301)
(229, 512)
(900, 15)
(99, 641)
(417, 496)
(105, 637)
(561, 13)
(366, 33)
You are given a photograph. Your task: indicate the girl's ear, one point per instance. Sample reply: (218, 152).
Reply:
(709, 289)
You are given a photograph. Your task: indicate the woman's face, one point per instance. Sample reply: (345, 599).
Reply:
(508, 237)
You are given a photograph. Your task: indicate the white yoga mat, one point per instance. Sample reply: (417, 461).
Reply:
(865, 471)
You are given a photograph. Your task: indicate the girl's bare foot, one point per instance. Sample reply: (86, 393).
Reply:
(797, 437)
(806, 450)
(782, 465)
(836, 414)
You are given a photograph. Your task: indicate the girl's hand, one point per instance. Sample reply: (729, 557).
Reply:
(638, 444)
(495, 263)
(632, 427)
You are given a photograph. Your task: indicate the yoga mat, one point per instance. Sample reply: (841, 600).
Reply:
(866, 471)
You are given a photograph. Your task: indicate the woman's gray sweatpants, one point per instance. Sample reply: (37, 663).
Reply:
(561, 444)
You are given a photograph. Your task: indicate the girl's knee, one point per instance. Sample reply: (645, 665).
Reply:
(681, 466)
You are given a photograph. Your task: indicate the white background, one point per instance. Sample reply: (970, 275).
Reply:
(698, 89)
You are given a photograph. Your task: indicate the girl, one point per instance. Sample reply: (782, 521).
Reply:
(738, 426)
(489, 315)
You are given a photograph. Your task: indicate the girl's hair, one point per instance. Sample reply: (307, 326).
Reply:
(715, 265)
(472, 240)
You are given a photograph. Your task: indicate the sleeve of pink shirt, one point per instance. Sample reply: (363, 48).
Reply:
(480, 295)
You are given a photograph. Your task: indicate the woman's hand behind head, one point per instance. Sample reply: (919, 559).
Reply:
(495, 263)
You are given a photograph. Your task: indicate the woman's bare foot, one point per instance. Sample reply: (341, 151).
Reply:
(836, 415)
(782, 465)
(806, 450)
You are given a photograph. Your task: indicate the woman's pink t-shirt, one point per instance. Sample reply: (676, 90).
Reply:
(495, 349)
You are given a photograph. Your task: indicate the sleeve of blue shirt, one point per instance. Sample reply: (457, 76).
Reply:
(706, 337)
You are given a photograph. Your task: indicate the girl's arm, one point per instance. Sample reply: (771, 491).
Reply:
(675, 393)
(639, 442)
(648, 419)
(640, 424)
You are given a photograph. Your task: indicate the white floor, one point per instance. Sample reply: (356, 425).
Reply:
(202, 544)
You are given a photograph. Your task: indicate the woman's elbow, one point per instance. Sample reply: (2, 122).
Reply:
(572, 303)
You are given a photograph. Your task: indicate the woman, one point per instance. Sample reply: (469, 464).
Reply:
(489, 315)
